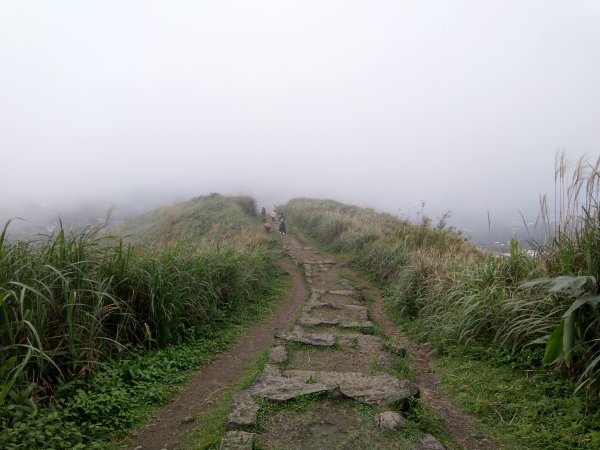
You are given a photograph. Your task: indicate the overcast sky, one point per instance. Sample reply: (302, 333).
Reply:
(462, 103)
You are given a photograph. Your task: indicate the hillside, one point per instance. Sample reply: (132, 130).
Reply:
(94, 330)
(521, 332)
(204, 220)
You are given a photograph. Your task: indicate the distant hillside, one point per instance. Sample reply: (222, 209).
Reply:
(208, 220)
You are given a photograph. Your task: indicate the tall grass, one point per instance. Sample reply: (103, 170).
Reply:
(461, 295)
(70, 302)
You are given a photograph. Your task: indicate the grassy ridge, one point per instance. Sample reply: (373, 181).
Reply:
(458, 293)
(71, 303)
(205, 221)
(452, 294)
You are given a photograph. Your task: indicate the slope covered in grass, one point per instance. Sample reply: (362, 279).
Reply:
(84, 316)
(446, 291)
(206, 220)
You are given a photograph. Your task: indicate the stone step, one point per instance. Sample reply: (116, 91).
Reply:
(318, 339)
(375, 390)
(237, 440)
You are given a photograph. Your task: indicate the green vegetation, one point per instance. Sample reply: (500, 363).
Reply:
(207, 221)
(88, 322)
(453, 294)
(530, 407)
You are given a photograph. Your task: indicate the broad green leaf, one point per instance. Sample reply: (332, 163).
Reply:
(554, 347)
(536, 282)
(591, 300)
(542, 340)
(568, 338)
(560, 284)
(565, 283)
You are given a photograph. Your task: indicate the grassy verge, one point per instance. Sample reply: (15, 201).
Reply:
(93, 330)
(458, 298)
(523, 407)
(128, 390)
(515, 399)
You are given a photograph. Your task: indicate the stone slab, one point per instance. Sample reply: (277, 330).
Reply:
(243, 411)
(428, 442)
(283, 388)
(374, 390)
(390, 421)
(317, 339)
(309, 321)
(237, 440)
(369, 342)
(342, 292)
(356, 324)
(277, 354)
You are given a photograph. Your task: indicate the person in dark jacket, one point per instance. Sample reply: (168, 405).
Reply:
(282, 229)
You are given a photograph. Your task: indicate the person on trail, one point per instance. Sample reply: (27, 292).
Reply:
(267, 226)
(273, 216)
(282, 229)
(263, 214)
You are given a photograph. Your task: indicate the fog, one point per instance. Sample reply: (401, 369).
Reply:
(461, 104)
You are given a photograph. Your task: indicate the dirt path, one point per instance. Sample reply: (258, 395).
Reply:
(169, 425)
(328, 364)
(455, 421)
(331, 380)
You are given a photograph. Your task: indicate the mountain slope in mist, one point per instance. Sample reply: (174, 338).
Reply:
(212, 219)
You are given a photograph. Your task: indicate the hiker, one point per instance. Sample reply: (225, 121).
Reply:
(263, 214)
(267, 226)
(273, 216)
(282, 229)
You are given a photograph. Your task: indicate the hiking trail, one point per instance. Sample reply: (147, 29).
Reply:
(330, 378)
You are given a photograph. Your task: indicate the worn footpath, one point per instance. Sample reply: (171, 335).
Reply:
(330, 378)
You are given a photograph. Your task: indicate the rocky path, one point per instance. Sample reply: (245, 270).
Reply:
(330, 381)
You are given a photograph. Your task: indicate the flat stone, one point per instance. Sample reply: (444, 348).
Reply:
(283, 388)
(272, 369)
(312, 262)
(369, 342)
(243, 411)
(277, 354)
(362, 310)
(237, 440)
(322, 305)
(374, 390)
(390, 421)
(315, 296)
(309, 321)
(342, 292)
(318, 339)
(428, 442)
(385, 360)
(356, 324)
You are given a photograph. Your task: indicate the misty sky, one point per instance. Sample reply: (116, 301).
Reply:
(381, 103)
